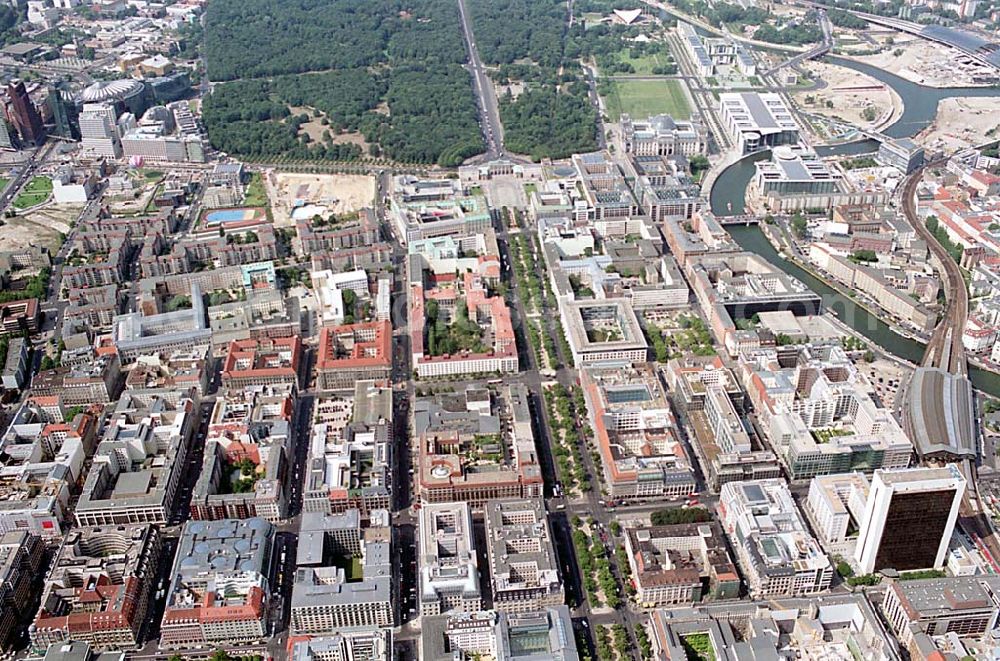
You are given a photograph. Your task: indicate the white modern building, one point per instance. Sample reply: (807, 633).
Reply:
(328, 289)
(709, 53)
(99, 130)
(796, 178)
(757, 121)
(449, 570)
(603, 331)
(73, 187)
(836, 505)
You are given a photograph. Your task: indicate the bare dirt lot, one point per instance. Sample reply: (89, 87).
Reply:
(961, 122)
(351, 139)
(40, 228)
(849, 93)
(315, 128)
(336, 193)
(924, 62)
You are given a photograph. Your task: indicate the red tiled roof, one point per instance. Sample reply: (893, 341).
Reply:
(372, 345)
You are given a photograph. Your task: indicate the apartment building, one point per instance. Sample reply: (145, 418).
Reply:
(138, 464)
(99, 588)
(524, 569)
(449, 569)
(343, 237)
(875, 283)
(777, 553)
(258, 277)
(95, 308)
(350, 452)
(99, 260)
(219, 591)
(352, 353)
(465, 454)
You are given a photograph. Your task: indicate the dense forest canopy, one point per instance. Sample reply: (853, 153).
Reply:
(546, 123)
(511, 30)
(252, 38)
(770, 28)
(343, 59)
(528, 40)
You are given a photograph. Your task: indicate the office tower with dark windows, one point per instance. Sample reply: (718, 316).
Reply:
(62, 124)
(24, 113)
(909, 518)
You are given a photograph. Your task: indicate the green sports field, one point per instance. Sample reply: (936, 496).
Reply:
(644, 98)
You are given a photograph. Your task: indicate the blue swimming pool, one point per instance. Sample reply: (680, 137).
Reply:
(228, 216)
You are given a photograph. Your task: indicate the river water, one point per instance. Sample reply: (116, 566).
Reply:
(728, 195)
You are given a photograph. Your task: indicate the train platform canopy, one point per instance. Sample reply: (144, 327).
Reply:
(940, 415)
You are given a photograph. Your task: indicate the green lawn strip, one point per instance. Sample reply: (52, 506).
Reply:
(256, 193)
(35, 192)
